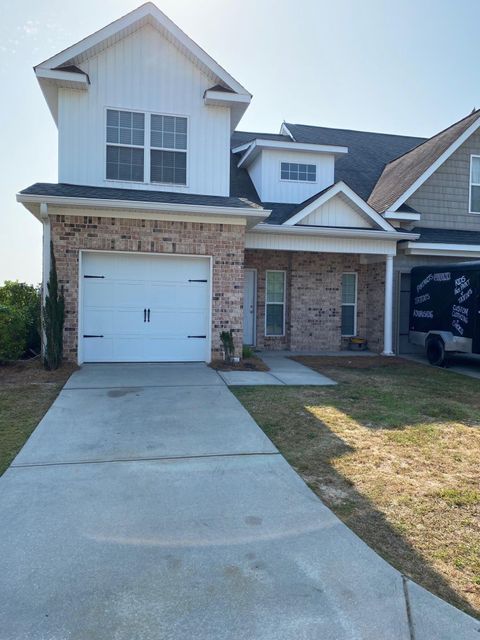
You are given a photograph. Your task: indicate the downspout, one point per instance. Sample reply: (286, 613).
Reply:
(45, 260)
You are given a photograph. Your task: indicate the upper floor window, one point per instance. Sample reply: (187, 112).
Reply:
(475, 184)
(168, 132)
(146, 147)
(125, 145)
(298, 172)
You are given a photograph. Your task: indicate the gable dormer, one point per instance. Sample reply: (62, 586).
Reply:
(139, 105)
(288, 171)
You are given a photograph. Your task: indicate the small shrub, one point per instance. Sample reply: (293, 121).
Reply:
(13, 333)
(247, 351)
(226, 338)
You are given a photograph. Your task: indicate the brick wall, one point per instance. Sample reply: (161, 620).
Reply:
(313, 299)
(224, 242)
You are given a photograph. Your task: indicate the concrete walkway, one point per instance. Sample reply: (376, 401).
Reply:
(283, 371)
(149, 505)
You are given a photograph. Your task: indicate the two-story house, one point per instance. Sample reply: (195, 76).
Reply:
(169, 226)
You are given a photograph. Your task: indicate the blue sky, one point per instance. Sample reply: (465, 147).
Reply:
(410, 67)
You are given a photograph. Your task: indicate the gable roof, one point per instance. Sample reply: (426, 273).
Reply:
(359, 169)
(93, 44)
(367, 153)
(402, 176)
(344, 191)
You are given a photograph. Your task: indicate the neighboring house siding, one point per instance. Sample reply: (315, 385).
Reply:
(143, 72)
(443, 199)
(224, 242)
(313, 299)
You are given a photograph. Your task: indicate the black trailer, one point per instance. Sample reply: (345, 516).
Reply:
(445, 309)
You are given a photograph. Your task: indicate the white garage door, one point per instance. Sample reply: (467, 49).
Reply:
(140, 308)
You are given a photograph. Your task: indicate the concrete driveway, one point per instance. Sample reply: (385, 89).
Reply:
(148, 505)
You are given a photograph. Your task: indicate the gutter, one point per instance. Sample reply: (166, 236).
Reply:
(332, 231)
(103, 203)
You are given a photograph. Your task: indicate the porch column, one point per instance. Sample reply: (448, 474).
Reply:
(388, 312)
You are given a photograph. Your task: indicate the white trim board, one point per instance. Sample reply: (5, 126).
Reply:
(438, 249)
(320, 244)
(141, 210)
(254, 147)
(360, 205)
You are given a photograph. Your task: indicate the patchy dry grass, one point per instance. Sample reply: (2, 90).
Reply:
(26, 393)
(394, 451)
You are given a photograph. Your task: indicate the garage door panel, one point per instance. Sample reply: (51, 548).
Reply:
(175, 296)
(98, 350)
(177, 323)
(123, 286)
(168, 349)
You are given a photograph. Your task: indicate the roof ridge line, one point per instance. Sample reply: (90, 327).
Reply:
(375, 133)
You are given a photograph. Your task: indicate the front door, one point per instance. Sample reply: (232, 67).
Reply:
(249, 307)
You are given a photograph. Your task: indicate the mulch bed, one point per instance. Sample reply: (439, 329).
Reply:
(246, 364)
(24, 372)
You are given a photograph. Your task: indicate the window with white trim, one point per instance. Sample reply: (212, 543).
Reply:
(275, 303)
(146, 147)
(298, 172)
(349, 304)
(168, 154)
(475, 184)
(125, 145)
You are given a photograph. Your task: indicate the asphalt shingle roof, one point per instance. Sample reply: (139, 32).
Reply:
(447, 236)
(367, 153)
(136, 195)
(400, 174)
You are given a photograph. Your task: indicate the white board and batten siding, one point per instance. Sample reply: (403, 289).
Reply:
(336, 213)
(144, 308)
(143, 72)
(265, 174)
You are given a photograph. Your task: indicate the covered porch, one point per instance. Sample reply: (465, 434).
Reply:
(316, 300)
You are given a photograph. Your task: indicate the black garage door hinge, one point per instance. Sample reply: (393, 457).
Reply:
(198, 280)
(197, 336)
(94, 276)
(91, 336)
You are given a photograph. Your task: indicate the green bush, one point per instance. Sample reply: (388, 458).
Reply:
(25, 299)
(247, 351)
(13, 334)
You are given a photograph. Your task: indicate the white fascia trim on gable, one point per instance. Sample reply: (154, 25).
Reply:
(61, 77)
(399, 215)
(284, 130)
(440, 249)
(252, 216)
(253, 148)
(147, 10)
(434, 166)
(334, 232)
(341, 187)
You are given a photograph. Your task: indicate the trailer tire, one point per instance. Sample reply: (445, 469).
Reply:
(435, 351)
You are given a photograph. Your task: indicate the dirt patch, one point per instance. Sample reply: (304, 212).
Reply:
(246, 364)
(32, 372)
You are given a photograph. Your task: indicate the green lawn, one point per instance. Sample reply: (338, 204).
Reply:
(394, 451)
(26, 393)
